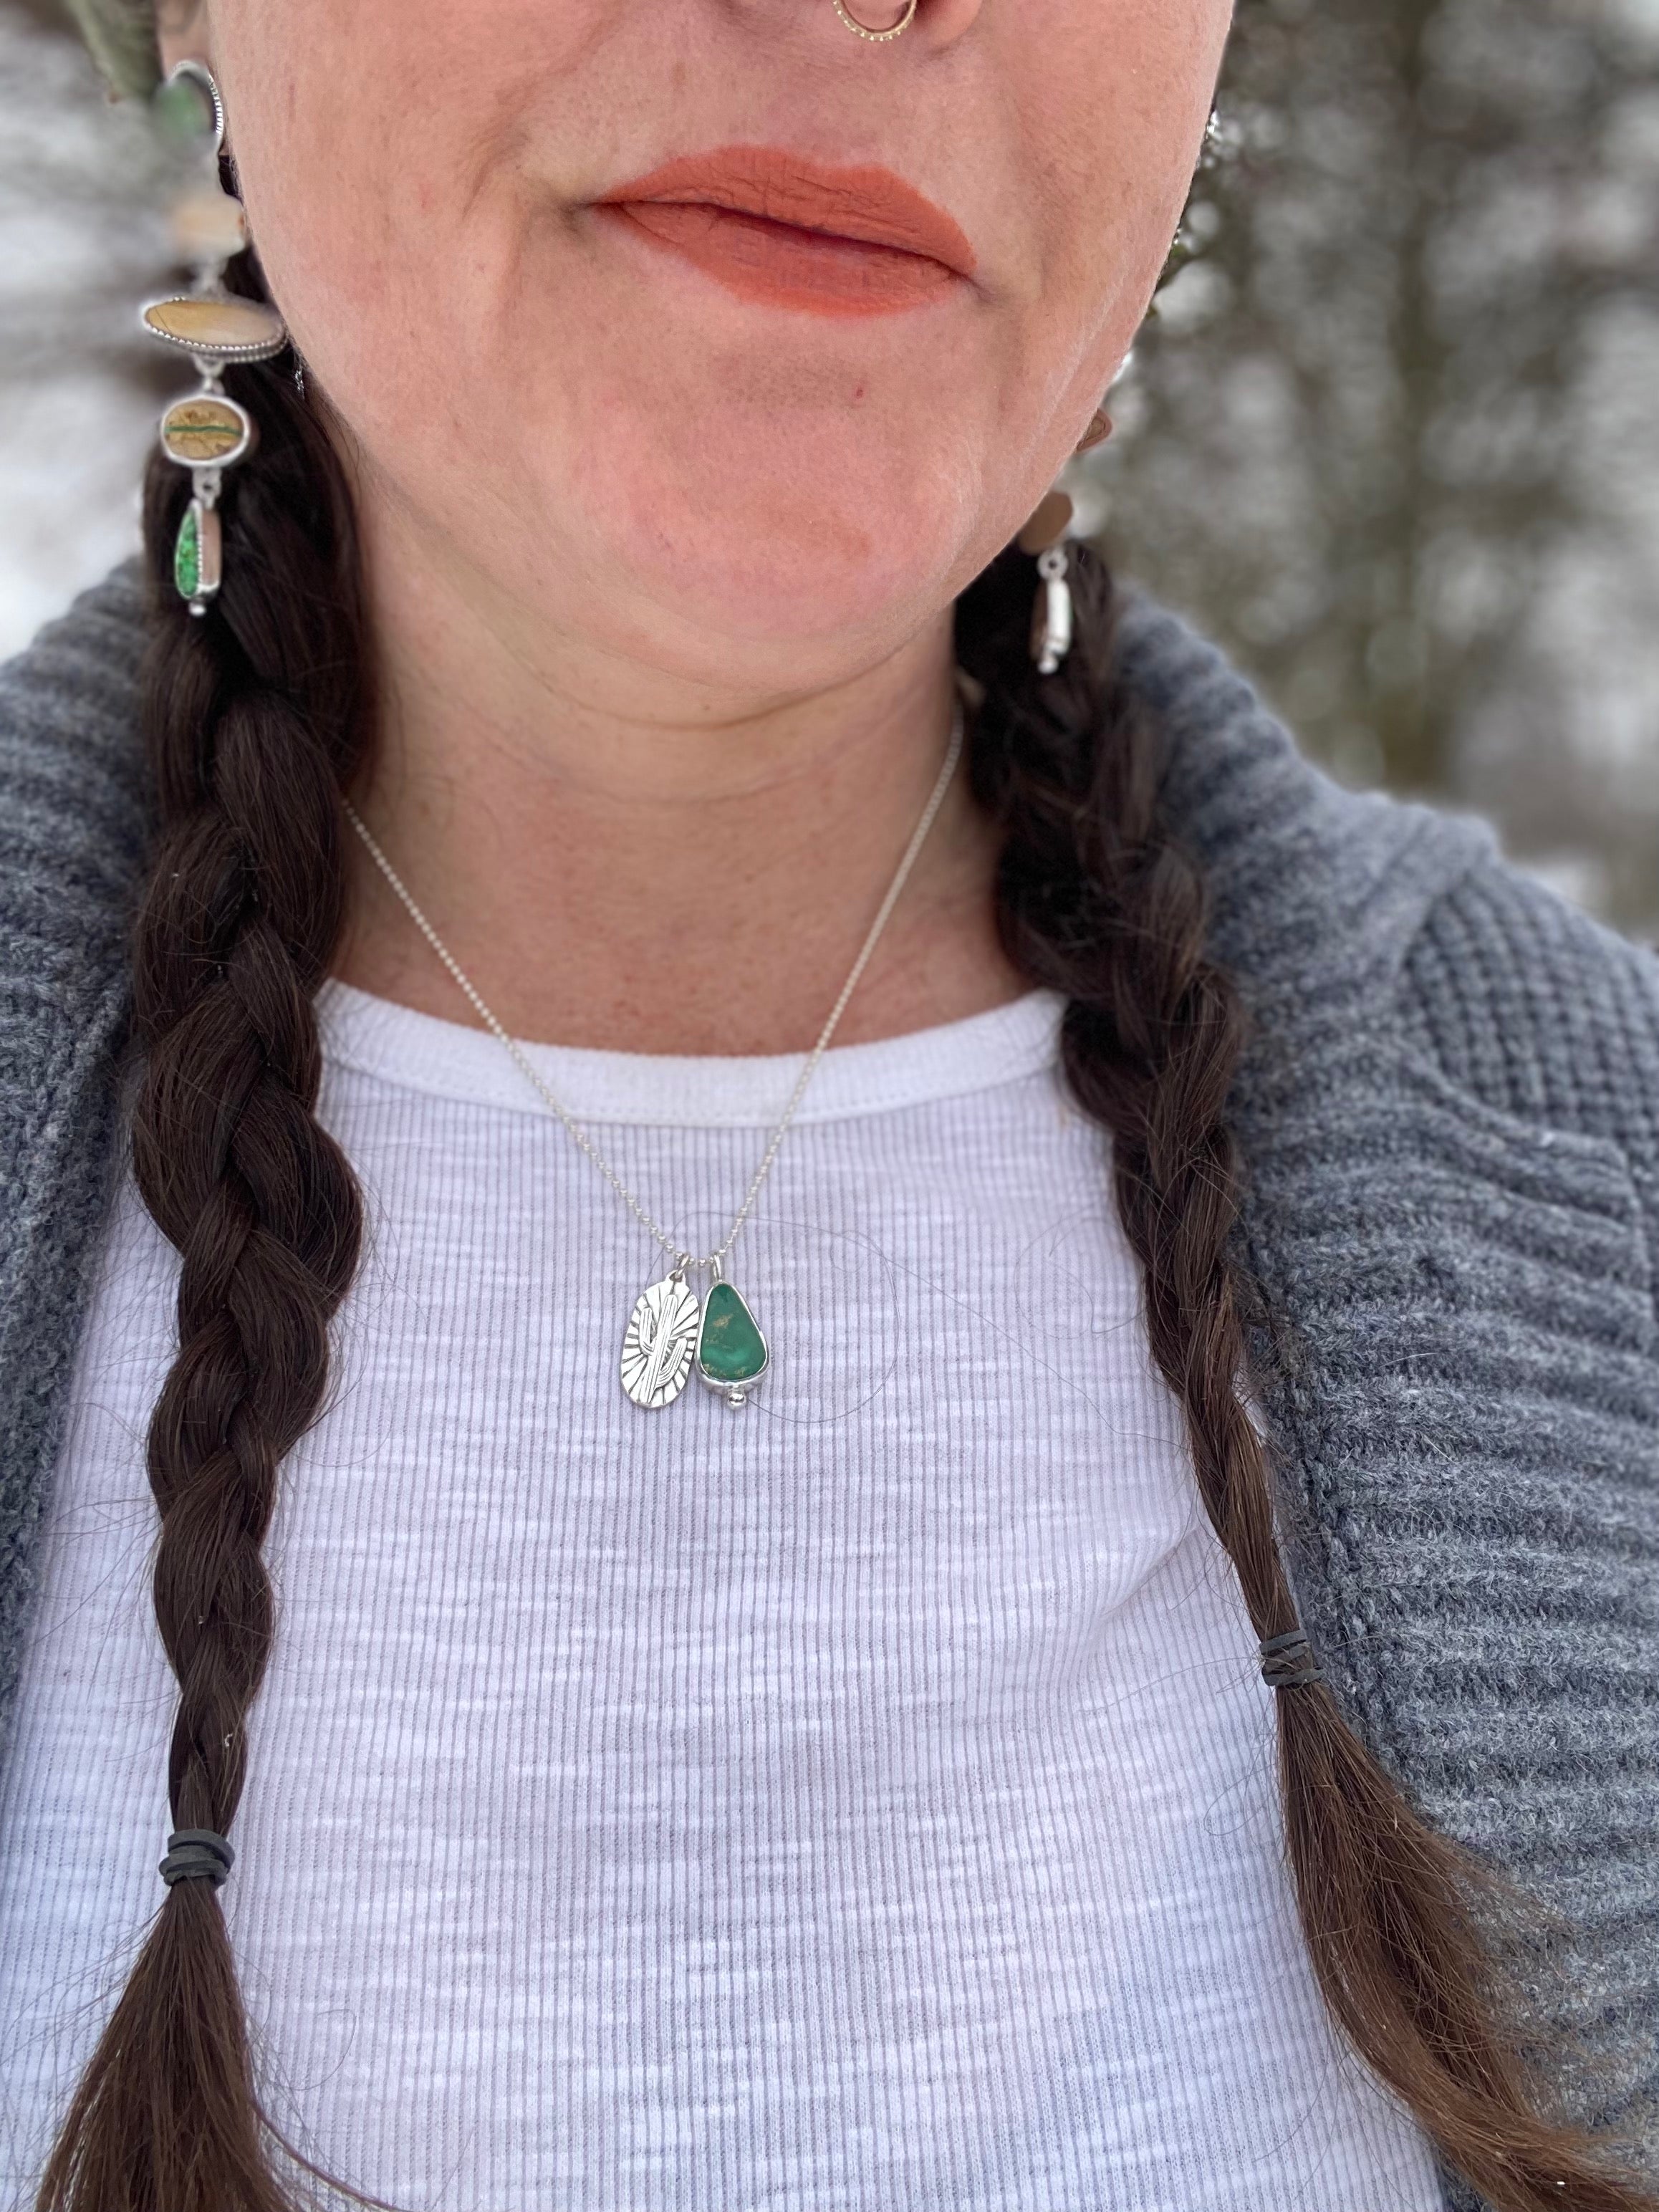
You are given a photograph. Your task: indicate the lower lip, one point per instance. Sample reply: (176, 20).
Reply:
(781, 265)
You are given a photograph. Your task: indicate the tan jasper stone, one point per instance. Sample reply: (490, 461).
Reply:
(236, 330)
(206, 431)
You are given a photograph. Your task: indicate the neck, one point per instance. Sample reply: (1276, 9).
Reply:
(625, 859)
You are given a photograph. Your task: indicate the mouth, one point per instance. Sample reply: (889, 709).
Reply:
(788, 232)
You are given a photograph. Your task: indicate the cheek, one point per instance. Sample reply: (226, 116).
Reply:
(1109, 112)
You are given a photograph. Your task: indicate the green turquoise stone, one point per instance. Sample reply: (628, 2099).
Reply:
(731, 1349)
(187, 554)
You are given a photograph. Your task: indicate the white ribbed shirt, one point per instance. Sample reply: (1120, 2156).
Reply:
(861, 1802)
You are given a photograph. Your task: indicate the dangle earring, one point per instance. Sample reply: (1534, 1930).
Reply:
(206, 431)
(1044, 535)
(1044, 538)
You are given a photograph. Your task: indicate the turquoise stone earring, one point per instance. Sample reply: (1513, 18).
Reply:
(207, 431)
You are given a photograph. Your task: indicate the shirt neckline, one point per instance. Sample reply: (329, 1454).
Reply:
(377, 1037)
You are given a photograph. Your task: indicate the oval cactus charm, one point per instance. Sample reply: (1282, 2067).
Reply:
(662, 1330)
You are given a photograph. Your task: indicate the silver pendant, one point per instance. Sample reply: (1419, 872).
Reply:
(662, 1336)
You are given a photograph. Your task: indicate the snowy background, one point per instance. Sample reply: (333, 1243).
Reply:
(83, 242)
(1393, 438)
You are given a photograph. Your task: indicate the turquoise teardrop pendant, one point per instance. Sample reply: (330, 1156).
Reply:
(732, 1354)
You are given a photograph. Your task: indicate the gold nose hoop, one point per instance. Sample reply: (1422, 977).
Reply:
(878, 38)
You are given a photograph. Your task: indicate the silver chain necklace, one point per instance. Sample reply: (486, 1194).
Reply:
(669, 1330)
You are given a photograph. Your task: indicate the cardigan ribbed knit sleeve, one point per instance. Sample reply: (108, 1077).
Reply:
(70, 846)
(1529, 1717)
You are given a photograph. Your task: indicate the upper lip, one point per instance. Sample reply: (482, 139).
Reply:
(865, 202)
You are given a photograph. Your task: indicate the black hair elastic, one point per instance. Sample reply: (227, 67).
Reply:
(1282, 1667)
(196, 1855)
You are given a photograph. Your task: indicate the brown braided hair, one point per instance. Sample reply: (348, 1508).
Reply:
(253, 721)
(256, 719)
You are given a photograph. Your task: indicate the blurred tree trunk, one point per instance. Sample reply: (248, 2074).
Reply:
(1368, 439)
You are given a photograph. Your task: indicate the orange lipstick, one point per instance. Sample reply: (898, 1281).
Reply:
(788, 232)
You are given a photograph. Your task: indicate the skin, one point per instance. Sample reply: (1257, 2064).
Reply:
(661, 575)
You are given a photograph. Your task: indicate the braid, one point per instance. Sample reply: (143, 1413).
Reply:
(253, 721)
(1095, 900)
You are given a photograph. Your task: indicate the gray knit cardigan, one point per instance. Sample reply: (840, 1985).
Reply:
(1449, 1115)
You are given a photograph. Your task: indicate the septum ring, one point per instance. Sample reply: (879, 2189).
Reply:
(878, 38)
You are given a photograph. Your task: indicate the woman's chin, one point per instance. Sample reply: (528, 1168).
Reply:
(784, 568)
(855, 593)
(845, 606)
